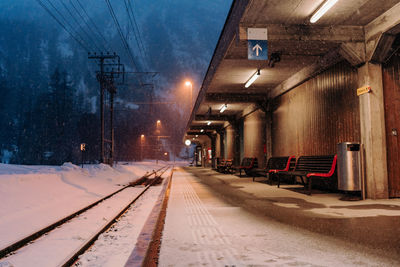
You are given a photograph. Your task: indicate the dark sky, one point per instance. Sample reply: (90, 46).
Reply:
(175, 38)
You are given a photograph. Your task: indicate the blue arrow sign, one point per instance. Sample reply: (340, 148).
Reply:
(257, 49)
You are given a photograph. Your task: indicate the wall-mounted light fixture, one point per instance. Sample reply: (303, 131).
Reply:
(202, 130)
(209, 122)
(223, 108)
(252, 79)
(322, 10)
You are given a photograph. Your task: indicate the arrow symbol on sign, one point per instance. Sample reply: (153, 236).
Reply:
(257, 48)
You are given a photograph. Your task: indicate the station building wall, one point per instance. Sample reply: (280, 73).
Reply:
(391, 89)
(315, 116)
(253, 136)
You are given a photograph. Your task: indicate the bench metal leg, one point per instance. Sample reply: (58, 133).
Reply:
(309, 185)
(279, 180)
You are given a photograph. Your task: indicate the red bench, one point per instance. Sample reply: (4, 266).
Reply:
(309, 167)
(274, 166)
(246, 165)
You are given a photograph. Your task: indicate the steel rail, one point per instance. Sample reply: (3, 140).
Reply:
(71, 260)
(22, 242)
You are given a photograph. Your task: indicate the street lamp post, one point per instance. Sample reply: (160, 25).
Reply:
(188, 83)
(158, 133)
(141, 147)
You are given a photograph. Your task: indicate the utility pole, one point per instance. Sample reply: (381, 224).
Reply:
(109, 71)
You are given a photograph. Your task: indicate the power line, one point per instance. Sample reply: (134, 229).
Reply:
(79, 25)
(65, 20)
(123, 39)
(137, 29)
(134, 30)
(94, 24)
(63, 26)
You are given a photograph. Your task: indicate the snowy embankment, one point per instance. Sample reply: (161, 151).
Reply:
(32, 197)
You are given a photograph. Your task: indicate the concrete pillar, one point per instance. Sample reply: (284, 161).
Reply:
(230, 143)
(213, 139)
(222, 135)
(218, 146)
(372, 123)
(268, 135)
(253, 136)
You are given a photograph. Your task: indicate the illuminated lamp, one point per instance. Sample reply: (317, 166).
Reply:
(223, 108)
(322, 10)
(252, 79)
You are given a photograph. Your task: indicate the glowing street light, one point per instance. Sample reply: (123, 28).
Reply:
(188, 83)
(141, 146)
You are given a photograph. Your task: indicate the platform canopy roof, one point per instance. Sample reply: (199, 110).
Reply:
(357, 31)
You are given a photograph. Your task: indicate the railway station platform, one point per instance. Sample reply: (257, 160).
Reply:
(242, 222)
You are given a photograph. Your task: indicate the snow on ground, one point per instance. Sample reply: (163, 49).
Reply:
(54, 248)
(114, 247)
(32, 197)
(203, 230)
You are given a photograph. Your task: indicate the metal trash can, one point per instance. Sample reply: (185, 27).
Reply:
(349, 166)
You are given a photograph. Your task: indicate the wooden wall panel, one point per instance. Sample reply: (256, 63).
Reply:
(317, 115)
(391, 93)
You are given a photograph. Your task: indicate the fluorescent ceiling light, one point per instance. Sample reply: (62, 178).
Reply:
(223, 108)
(322, 10)
(209, 122)
(252, 78)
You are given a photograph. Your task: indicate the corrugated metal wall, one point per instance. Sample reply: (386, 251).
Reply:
(391, 82)
(312, 118)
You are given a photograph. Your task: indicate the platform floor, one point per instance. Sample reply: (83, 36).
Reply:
(222, 220)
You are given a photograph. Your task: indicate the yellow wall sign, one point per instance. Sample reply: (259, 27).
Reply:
(363, 90)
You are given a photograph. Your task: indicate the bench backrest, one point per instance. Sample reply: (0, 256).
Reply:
(277, 163)
(249, 162)
(316, 164)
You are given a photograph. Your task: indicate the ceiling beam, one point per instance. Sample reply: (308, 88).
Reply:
(306, 73)
(195, 133)
(378, 39)
(354, 53)
(226, 98)
(205, 127)
(288, 32)
(213, 117)
(383, 23)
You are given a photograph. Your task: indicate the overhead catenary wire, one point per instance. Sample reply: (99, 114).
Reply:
(132, 22)
(106, 45)
(123, 39)
(66, 21)
(137, 29)
(79, 25)
(80, 42)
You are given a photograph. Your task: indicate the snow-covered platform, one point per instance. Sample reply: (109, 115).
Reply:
(216, 219)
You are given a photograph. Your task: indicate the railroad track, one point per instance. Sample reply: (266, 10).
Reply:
(64, 227)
